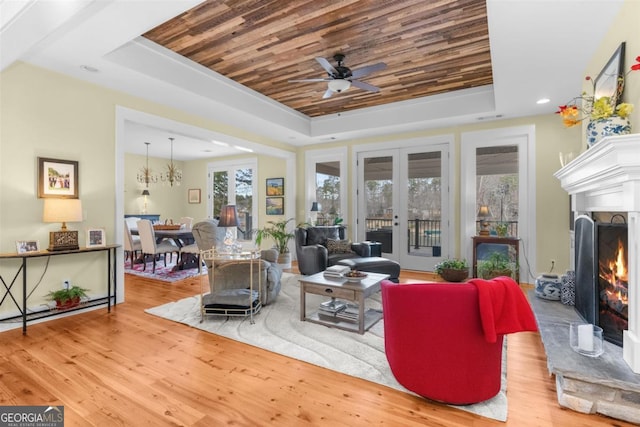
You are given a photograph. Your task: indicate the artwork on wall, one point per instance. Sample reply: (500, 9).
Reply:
(95, 237)
(275, 187)
(57, 178)
(275, 205)
(194, 195)
(606, 84)
(26, 246)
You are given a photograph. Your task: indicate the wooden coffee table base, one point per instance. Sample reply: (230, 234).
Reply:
(342, 289)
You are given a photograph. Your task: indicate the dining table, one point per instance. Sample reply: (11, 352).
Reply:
(181, 237)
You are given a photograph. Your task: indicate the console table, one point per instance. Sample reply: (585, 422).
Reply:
(111, 278)
(482, 245)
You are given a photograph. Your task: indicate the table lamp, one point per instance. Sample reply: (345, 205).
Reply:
(314, 213)
(229, 219)
(483, 214)
(62, 210)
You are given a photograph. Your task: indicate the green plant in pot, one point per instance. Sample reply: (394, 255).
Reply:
(453, 270)
(497, 264)
(277, 231)
(67, 298)
(501, 229)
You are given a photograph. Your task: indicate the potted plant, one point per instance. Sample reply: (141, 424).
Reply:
(67, 298)
(501, 229)
(453, 270)
(497, 264)
(277, 230)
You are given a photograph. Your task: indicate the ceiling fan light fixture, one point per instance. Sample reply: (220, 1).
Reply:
(339, 85)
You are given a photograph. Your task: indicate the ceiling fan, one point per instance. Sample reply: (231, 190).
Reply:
(341, 78)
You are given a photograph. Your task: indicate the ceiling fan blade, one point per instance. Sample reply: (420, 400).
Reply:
(308, 80)
(365, 86)
(327, 66)
(360, 72)
(327, 94)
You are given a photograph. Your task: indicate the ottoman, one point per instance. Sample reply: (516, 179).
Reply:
(374, 265)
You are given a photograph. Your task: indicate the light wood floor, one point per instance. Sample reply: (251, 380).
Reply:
(131, 368)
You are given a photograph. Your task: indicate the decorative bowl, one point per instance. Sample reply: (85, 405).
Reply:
(355, 276)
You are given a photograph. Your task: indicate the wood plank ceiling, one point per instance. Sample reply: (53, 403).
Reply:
(430, 47)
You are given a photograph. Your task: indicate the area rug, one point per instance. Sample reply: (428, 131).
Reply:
(162, 273)
(278, 328)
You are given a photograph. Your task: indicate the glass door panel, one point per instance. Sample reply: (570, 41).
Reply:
(378, 201)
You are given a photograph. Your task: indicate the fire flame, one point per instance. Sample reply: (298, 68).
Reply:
(617, 276)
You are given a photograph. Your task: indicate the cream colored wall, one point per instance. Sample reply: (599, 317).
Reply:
(46, 114)
(552, 202)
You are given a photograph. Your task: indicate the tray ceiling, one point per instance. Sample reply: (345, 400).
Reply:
(429, 47)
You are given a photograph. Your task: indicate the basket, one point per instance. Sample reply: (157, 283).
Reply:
(453, 275)
(167, 227)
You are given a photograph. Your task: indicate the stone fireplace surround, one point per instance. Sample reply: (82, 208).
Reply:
(605, 178)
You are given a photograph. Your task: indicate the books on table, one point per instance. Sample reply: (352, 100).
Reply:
(336, 271)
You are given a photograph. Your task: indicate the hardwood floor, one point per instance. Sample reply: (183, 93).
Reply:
(130, 368)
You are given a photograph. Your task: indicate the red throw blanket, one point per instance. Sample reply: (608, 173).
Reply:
(504, 309)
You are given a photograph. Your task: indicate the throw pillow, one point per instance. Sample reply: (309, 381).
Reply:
(339, 246)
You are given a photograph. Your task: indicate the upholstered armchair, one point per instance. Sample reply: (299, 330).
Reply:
(323, 246)
(444, 341)
(234, 274)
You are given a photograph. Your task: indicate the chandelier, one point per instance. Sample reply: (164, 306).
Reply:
(145, 176)
(173, 175)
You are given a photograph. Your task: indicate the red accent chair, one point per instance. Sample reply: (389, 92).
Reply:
(435, 343)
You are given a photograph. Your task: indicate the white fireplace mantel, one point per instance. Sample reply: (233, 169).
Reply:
(606, 178)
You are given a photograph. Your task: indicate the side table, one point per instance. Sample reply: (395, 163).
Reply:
(222, 309)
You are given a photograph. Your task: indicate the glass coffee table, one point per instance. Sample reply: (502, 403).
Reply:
(332, 313)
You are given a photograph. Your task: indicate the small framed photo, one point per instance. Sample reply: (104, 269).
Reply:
(606, 84)
(194, 196)
(275, 186)
(95, 238)
(57, 178)
(275, 205)
(26, 246)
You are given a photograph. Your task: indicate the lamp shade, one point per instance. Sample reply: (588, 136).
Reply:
(314, 207)
(228, 216)
(484, 212)
(62, 210)
(145, 192)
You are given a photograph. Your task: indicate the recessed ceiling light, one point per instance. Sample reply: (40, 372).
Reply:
(89, 68)
(543, 101)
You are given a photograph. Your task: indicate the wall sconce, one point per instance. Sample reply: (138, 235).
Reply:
(145, 193)
(483, 214)
(62, 210)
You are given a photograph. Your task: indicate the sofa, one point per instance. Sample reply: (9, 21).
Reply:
(234, 274)
(320, 247)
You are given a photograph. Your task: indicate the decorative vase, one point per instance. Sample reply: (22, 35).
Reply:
(600, 128)
(548, 286)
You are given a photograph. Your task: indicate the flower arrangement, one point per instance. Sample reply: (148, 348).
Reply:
(587, 106)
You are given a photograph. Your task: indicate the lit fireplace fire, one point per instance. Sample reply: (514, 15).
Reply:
(615, 274)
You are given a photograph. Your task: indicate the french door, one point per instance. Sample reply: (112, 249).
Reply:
(403, 203)
(234, 183)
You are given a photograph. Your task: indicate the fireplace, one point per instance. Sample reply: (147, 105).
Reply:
(606, 178)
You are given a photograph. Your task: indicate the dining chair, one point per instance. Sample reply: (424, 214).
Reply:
(132, 244)
(150, 247)
(187, 221)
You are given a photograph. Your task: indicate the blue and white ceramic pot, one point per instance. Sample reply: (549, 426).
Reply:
(600, 128)
(568, 289)
(548, 286)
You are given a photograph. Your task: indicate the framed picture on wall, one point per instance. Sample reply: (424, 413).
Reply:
(275, 186)
(194, 195)
(57, 178)
(95, 237)
(275, 205)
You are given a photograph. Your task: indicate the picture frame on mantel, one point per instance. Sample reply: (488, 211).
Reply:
(194, 196)
(606, 84)
(57, 178)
